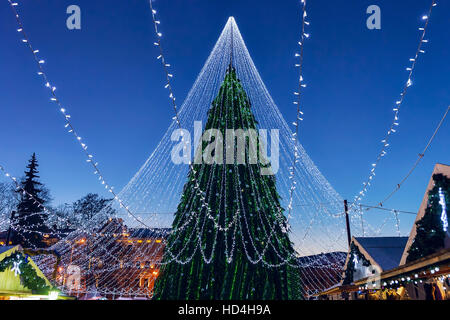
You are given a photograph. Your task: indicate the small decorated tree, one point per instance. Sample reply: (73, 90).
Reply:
(432, 229)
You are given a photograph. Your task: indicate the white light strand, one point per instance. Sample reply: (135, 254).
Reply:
(68, 124)
(168, 86)
(396, 109)
(297, 103)
(416, 163)
(397, 221)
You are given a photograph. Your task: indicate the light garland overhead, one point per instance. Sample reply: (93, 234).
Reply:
(416, 163)
(397, 106)
(297, 102)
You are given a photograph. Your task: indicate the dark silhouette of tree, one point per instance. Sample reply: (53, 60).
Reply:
(431, 235)
(30, 221)
(91, 206)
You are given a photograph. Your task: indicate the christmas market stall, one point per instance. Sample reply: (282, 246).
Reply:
(427, 278)
(20, 277)
(407, 268)
(367, 257)
(423, 272)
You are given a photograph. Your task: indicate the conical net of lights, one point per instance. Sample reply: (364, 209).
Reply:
(250, 232)
(154, 192)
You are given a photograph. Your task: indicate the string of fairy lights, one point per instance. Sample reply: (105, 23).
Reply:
(397, 106)
(63, 110)
(171, 95)
(156, 29)
(129, 264)
(165, 65)
(176, 118)
(416, 163)
(415, 278)
(297, 103)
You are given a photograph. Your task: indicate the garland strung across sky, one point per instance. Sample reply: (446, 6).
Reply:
(63, 110)
(315, 219)
(156, 190)
(21, 267)
(397, 106)
(297, 102)
(416, 163)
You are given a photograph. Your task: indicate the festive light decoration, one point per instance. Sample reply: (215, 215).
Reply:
(444, 217)
(396, 108)
(63, 110)
(297, 102)
(16, 267)
(397, 221)
(226, 266)
(159, 174)
(215, 65)
(419, 158)
(411, 278)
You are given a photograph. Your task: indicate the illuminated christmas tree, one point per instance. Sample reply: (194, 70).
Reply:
(240, 249)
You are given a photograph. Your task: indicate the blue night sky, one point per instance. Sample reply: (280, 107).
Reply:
(107, 76)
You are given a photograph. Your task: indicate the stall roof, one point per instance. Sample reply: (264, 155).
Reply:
(441, 258)
(5, 248)
(386, 251)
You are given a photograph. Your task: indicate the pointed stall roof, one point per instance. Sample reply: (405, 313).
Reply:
(385, 251)
(10, 284)
(5, 248)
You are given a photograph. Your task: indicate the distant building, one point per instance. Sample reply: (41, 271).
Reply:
(3, 239)
(127, 266)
